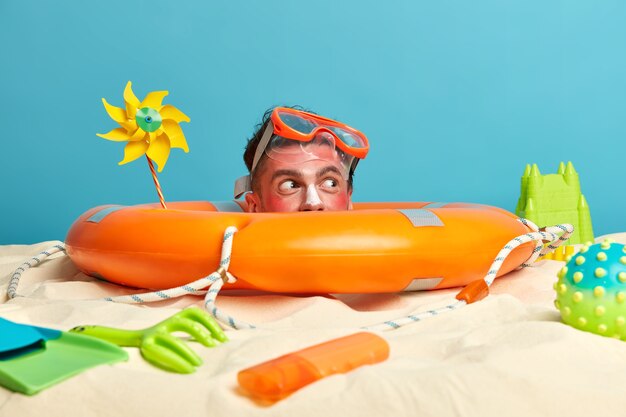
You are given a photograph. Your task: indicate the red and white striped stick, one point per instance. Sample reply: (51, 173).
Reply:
(156, 182)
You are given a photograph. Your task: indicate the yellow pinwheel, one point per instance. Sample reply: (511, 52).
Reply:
(149, 127)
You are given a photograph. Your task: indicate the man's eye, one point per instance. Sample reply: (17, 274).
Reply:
(330, 183)
(287, 186)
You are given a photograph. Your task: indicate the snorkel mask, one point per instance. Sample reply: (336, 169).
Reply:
(295, 136)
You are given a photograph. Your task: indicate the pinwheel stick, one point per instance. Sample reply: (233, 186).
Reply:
(156, 182)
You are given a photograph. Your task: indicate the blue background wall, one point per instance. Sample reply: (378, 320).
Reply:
(455, 96)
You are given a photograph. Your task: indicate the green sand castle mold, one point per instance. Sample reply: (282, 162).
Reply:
(554, 199)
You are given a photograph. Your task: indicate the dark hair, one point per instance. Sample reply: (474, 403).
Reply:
(253, 143)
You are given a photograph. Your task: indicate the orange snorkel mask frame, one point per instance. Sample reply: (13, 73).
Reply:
(342, 132)
(304, 127)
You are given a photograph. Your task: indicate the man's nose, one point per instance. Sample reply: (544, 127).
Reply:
(312, 201)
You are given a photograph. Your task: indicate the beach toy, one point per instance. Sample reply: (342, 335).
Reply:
(158, 346)
(281, 377)
(201, 247)
(149, 128)
(375, 248)
(17, 339)
(591, 290)
(555, 198)
(552, 199)
(33, 358)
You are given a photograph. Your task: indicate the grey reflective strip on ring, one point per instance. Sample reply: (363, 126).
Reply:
(421, 217)
(421, 284)
(98, 216)
(435, 205)
(228, 206)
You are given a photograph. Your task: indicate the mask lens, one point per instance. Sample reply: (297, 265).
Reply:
(321, 147)
(297, 123)
(282, 146)
(348, 138)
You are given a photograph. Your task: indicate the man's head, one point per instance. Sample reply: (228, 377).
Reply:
(300, 164)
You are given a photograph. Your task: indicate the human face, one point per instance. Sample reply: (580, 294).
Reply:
(312, 185)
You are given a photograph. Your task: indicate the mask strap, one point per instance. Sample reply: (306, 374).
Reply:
(265, 139)
(244, 184)
(353, 164)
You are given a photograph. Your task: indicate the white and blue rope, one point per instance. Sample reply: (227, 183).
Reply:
(34, 261)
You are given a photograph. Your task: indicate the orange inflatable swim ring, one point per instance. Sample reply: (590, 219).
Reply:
(377, 247)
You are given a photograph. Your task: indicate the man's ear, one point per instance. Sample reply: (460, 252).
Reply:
(252, 199)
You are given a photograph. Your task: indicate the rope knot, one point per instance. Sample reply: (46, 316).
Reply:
(226, 276)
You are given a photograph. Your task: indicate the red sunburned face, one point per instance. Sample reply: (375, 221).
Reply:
(313, 185)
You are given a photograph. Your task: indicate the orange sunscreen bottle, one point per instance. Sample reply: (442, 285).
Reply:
(282, 376)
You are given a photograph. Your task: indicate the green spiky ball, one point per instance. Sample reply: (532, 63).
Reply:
(591, 290)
